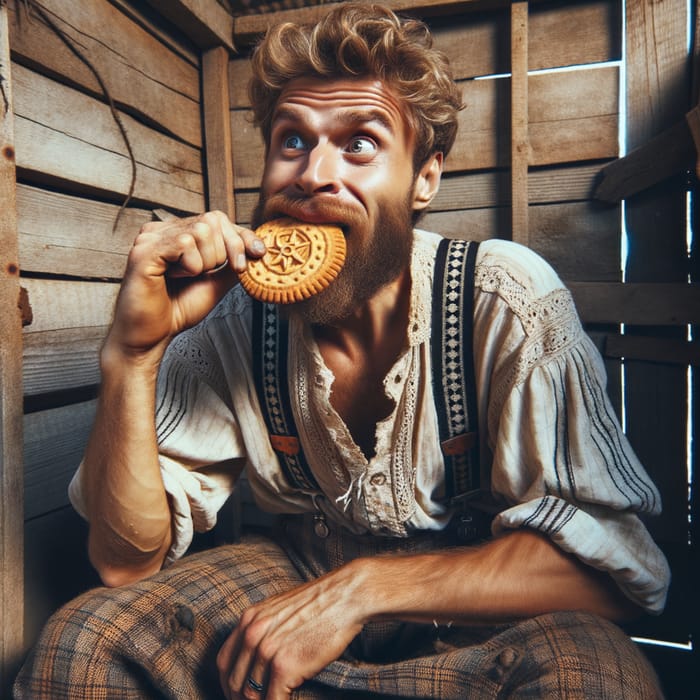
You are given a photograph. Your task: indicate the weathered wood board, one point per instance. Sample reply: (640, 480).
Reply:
(11, 472)
(65, 136)
(142, 75)
(70, 235)
(53, 447)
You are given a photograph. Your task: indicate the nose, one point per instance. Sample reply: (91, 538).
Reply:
(320, 170)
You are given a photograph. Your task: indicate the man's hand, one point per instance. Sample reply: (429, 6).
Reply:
(289, 638)
(176, 272)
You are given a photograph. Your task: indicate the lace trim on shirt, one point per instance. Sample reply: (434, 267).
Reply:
(551, 327)
(193, 347)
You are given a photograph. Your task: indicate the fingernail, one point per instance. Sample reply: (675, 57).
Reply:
(241, 262)
(257, 246)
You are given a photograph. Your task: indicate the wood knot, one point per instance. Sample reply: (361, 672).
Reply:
(9, 152)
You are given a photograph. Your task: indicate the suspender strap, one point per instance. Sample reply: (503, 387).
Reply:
(270, 335)
(454, 383)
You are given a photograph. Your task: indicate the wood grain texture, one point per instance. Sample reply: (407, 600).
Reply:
(53, 120)
(11, 471)
(142, 75)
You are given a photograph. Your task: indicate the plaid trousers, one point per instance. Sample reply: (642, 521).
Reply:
(159, 638)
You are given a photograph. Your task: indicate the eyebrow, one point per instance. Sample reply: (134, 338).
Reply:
(347, 118)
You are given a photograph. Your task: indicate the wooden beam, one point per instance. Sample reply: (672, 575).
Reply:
(519, 145)
(205, 22)
(642, 304)
(669, 153)
(11, 435)
(217, 130)
(666, 350)
(248, 28)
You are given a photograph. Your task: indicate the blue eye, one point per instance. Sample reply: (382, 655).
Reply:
(362, 146)
(293, 142)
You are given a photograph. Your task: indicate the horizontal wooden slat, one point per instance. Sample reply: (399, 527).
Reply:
(572, 117)
(206, 22)
(65, 304)
(667, 350)
(248, 28)
(580, 241)
(74, 235)
(53, 447)
(61, 360)
(654, 304)
(69, 137)
(137, 69)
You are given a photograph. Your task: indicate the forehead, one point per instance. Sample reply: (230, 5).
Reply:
(343, 98)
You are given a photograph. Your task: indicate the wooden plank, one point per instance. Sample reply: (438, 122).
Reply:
(61, 360)
(140, 73)
(53, 120)
(519, 145)
(581, 242)
(217, 125)
(54, 444)
(74, 235)
(637, 303)
(206, 22)
(666, 350)
(671, 152)
(572, 117)
(11, 472)
(656, 400)
(68, 304)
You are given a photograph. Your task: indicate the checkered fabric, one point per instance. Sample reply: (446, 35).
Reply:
(159, 638)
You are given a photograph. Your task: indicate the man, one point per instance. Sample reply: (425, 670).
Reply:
(365, 587)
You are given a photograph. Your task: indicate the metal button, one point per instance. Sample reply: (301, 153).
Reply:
(321, 526)
(377, 479)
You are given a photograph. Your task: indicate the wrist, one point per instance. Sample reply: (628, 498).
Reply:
(117, 359)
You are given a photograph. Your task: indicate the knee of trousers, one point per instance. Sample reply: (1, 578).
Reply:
(578, 655)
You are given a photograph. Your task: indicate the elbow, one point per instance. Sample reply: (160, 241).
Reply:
(124, 568)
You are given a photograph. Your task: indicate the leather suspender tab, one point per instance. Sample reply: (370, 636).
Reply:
(459, 444)
(286, 444)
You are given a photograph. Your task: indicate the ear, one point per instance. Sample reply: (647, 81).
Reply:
(427, 182)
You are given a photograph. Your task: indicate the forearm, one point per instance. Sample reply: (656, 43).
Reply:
(130, 519)
(519, 575)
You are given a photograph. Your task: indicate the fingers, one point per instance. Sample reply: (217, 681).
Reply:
(195, 245)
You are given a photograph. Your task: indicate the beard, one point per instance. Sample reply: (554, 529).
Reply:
(369, 265)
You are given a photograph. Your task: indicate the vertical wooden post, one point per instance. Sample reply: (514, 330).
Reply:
(520, 149)
(217, 130)
(11, 471)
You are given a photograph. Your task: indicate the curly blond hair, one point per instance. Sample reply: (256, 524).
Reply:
(363, 40)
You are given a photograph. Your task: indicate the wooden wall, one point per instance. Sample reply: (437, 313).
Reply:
(107, 107)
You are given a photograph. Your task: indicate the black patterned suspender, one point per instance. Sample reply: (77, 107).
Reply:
(271, 383)
(454, 385)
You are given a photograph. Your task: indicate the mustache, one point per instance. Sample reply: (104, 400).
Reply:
(303, 208)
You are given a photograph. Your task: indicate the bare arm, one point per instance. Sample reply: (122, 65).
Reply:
(281, 641)
(167, 287)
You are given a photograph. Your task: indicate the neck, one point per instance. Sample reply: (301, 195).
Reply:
(381, 320)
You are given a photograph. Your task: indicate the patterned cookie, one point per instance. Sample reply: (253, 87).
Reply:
(301, 260)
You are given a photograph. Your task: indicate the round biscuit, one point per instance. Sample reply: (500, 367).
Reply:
(302, 259)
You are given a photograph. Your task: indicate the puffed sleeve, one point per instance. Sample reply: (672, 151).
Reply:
(559, 458)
